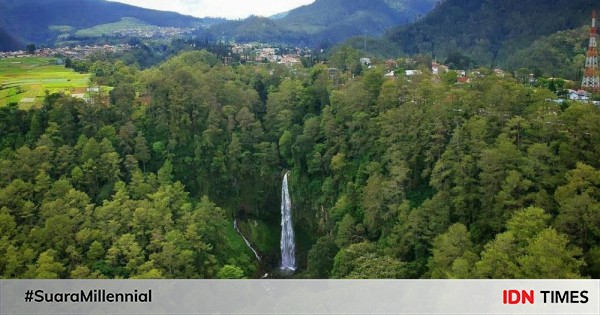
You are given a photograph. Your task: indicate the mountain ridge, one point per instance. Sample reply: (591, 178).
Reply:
(327, 21)
(6, 40)
(319, 24)
(30, 20)
(489, 31)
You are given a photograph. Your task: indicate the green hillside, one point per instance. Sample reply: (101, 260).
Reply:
(489, 31)
(36, 20)
(559, 55)
(126, 23)
(326, 22)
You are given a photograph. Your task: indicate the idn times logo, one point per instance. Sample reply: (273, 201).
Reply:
(514, 297)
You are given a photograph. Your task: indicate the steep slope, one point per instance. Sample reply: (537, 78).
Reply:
(253, 28)
(412, 8)
(328, 21)
(335, 20)
(30, 20)
(489, 31)
(559, 55)
(7, 42)
(324, 13)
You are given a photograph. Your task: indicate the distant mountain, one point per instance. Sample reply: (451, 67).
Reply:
(8, 42)
(254, 28)
(489, 31)
(38, 20)
(279, 15)
(327, 21)
(321, 23)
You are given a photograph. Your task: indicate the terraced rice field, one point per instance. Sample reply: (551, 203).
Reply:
(26, 80)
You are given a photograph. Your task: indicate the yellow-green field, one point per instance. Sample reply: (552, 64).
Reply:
(26, 80)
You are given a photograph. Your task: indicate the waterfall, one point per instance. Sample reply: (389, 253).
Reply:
(235, 226)
(288, 250)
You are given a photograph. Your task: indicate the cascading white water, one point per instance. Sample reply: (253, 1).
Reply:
(235, 226)
(288, 248)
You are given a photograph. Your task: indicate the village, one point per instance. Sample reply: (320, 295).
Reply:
(292, 57)
(76, 52)
(258, 52)
(151, 32)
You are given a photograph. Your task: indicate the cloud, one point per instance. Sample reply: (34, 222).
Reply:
(232, 9)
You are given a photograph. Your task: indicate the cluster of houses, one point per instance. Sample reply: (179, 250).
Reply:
(462, 77)
(77, 52)
(578, 95)
(258, 53)
(261, 53)
(152, 32)
(437, 69)
(272, 55)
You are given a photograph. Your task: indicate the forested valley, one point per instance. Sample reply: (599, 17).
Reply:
(406, 177)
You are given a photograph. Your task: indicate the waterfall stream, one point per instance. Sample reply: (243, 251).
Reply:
(235, 226)
(288, 250)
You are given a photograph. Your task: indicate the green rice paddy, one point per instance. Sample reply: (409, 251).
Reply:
(26, 80)
(126, 23)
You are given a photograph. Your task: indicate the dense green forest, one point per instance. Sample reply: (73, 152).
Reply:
(410, 177)
(559, 55)
(490, 32)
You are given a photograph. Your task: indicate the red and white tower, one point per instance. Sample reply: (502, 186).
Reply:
(591, 76)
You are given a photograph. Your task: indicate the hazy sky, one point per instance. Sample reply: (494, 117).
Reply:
(220, 8)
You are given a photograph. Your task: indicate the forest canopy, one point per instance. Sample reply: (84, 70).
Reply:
(405, 177)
